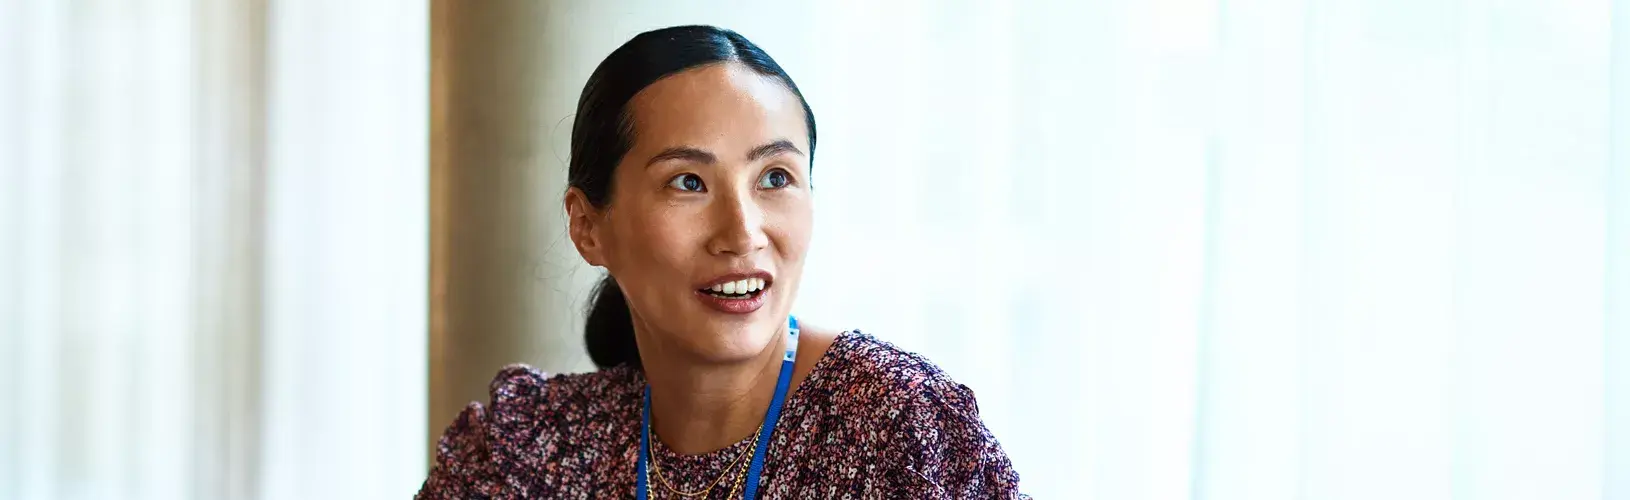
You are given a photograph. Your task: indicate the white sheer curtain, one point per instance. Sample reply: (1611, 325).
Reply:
(1260, 249)
(212, 249)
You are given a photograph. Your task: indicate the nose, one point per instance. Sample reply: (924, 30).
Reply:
(738, 226)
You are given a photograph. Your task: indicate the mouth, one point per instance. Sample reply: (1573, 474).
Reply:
(737, 293)
(738, 288)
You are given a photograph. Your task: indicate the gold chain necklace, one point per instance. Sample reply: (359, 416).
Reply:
(741, 476)
(657, 466)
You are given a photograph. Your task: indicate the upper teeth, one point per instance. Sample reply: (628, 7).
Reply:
(747, 285)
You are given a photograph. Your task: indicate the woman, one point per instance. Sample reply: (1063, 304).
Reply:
(690, 182)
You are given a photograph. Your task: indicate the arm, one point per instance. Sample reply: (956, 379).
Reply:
(956, 456)
(464, 467)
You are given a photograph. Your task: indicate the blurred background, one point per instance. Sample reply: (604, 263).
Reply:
(1244, 249)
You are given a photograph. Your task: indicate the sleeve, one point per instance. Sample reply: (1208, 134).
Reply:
(464, 468)
(955, 456)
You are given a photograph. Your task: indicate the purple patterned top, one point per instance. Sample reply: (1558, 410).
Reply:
(870, 421)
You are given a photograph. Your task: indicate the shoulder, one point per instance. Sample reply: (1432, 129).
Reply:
(878, 373)
(520, 390)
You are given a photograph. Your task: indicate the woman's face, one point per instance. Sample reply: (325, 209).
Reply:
(710, 213)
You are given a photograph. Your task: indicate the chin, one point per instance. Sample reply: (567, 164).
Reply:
(733, 340)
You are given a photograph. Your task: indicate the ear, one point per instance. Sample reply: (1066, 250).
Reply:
(584, 222)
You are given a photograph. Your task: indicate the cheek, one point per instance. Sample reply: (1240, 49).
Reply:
(792, 232)
(656, 239)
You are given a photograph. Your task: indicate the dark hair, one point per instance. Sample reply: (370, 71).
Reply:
(603, 133)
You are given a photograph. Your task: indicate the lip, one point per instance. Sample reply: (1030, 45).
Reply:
(736, 306)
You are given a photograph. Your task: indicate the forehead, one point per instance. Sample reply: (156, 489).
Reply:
(721, 107)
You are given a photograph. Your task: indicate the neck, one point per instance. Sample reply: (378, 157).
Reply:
(698, 407)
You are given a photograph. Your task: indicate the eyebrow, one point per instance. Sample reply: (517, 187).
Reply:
(683, 153)
(694, 154)
(772, 149)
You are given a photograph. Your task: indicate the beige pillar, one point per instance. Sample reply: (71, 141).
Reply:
(229, 234)
(506, 285)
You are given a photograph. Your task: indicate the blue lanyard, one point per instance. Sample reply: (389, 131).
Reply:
(766, 431)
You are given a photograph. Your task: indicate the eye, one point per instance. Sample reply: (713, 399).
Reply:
(687, 182)
(774, 179)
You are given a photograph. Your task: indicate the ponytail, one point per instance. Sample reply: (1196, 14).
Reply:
(609, 330)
